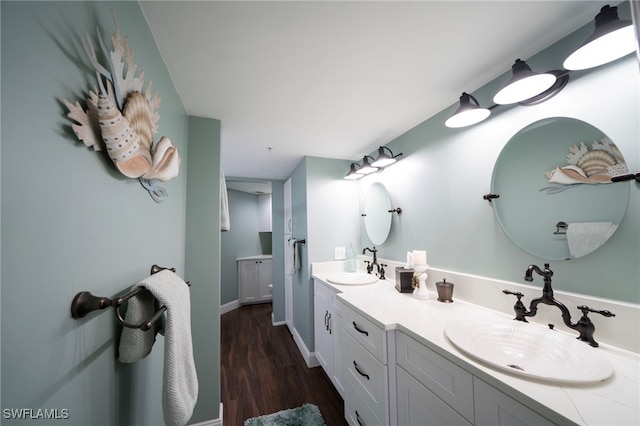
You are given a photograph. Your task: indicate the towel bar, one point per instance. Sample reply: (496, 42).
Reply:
(561, 228)
(85, 302)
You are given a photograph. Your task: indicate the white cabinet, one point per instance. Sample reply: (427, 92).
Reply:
(264, 213)
(363, 362)
(288, 207)
(498, 409)
(429, 386)
(417, 403)
(327, 325)
(452, 384)
(254, 278)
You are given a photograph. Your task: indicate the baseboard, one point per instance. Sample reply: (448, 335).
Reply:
(274, 323)
(212, 422)
(228, 307)
(309, 357)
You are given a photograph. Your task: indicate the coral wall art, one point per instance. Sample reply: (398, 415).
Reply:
(121, 118)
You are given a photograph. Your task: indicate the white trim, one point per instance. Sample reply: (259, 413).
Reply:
(228, 307)
(212, 422)
(275, 323)
(309, 357)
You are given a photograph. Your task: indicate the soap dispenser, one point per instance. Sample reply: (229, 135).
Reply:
(350, 265)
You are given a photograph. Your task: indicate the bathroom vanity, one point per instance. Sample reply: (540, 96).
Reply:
(254, 279)
(395, 366)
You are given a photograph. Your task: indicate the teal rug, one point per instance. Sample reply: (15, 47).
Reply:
(306, 415)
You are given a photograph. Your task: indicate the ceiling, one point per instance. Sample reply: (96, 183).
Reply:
(335, 79)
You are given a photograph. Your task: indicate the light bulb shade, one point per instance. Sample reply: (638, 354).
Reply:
(384, 159)
(612, 39)
(468, 113)
(366, 166)
(524, 84)
(353, 173)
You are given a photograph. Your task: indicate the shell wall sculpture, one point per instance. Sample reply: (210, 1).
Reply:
(591, 166)
(121, 118)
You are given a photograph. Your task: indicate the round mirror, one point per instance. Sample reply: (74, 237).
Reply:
(377, 219)
(557, 200)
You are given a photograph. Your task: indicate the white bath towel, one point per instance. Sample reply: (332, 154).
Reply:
(225, 222)
(180, 382)
(289, 257)
(583, 238)
(296, 255)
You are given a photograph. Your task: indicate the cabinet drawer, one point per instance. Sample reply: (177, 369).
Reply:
(365, 332)
(367, 376)
(416, 404)
(327, 295)
(358, 413)
(451, 383)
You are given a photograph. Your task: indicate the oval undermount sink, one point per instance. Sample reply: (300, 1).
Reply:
(530, 350)
(351, 278)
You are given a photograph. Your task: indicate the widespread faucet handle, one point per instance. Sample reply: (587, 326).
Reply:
(516, 294)
(382, 271)
(586, 328)
(585, 310)
(518, 308)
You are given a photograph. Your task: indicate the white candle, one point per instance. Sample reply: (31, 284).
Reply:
(419, 257)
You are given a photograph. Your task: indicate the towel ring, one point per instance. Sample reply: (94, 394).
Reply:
(85, 302)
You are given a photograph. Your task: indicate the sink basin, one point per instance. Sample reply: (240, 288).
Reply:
(351, 278)
(529, 350)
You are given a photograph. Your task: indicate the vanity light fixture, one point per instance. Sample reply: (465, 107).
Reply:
(467, 113)
(385, 159)
(366, 167)
(613, 38)
(524, 84)
(353, 173)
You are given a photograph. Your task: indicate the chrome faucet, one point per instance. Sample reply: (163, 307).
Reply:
(584, 325)
(379, 268)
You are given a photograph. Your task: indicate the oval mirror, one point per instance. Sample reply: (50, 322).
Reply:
(557, 200)
(377, 219)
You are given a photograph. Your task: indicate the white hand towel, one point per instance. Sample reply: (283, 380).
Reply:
(583, 238)
(180, 382)
(225, 222)
(296, 255)
(289, 258)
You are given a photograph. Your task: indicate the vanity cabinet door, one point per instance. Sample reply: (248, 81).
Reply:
(452, 384)
(494, 408)
(323, 337)
(417, 405)
(265, 278)
(327, 325)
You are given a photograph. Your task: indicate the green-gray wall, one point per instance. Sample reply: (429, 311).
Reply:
(203, 260)
(71, 223)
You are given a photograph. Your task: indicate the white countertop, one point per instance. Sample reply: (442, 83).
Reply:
(255, 257)
(612, 402)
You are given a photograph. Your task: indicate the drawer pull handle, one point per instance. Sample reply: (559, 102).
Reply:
(329, 324)
(366, 333)
(360, 372)
(326, 323)
(358, 418)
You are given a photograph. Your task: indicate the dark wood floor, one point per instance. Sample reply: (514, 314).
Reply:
(262, 370)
